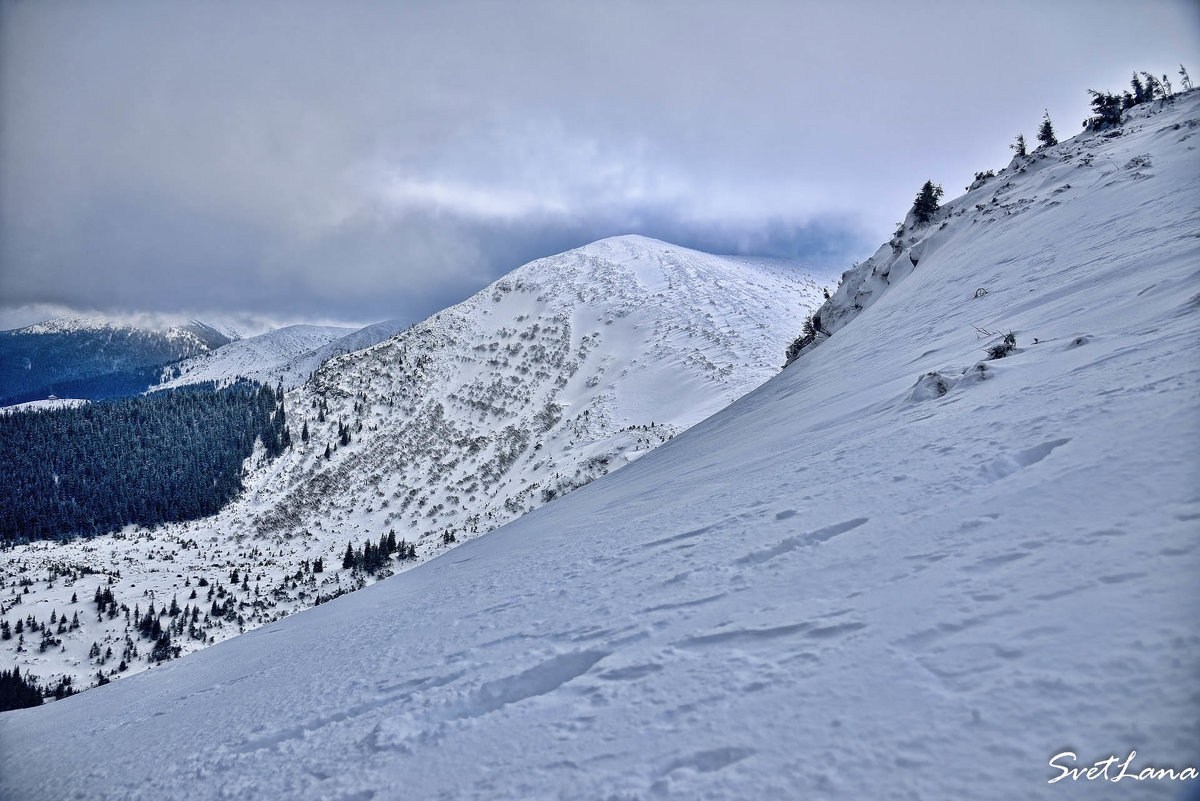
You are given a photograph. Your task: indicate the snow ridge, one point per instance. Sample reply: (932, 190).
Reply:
(271, 358)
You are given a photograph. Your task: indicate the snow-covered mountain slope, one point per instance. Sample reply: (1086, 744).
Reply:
(271, 358)
(991, 200)
(844, 585)
(94, 357)
(43, 405)
(562, 371)
(195, 334)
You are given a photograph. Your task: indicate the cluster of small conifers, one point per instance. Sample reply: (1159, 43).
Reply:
(1108, 108)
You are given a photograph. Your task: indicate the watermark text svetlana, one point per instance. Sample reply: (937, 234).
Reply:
(1113, 770)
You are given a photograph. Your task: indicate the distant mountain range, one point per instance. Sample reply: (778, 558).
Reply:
(287, 356)
(93, 359)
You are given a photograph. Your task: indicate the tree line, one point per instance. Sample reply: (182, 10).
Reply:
(150, 459)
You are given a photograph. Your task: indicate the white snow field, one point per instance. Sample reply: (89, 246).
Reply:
(286, 356)
(847, 585)
(44, 405)
(259, 358)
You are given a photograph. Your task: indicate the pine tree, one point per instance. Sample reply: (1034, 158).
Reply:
(17, 692)
(1019, 146)
(1139, 91)
(1107, 108)
(926, 204)
(304, 432)
(1046, 132)
(1154, 89)
(1185, 82)
(348, 559)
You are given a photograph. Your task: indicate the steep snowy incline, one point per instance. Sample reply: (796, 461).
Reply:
(847, 585)
(265, 358)
(564, 370)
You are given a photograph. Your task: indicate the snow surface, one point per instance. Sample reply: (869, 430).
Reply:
(272, 358)
(44, 405)
(195, 336)
(844, 585)
(562, 371)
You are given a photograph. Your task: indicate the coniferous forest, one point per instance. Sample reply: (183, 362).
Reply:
(148, 459)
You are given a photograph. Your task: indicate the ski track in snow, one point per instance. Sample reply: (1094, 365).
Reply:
(831, 589)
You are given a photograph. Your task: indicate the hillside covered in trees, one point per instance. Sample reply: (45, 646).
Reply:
(151, 459)
(82, 358)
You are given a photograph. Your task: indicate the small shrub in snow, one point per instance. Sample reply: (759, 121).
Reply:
(1004, 347)
(812, 326)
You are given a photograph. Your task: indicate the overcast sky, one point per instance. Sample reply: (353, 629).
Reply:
(361, 161)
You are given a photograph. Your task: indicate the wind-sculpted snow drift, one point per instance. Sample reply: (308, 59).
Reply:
(830, 589)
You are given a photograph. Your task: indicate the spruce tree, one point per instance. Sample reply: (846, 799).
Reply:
(1106, 108)
(926, 204)
(1139, 91)
(1185, 82)
(1046, 132)
(1019, 146)
(1154, 89)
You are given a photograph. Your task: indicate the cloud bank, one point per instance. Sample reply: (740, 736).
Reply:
(361, 161)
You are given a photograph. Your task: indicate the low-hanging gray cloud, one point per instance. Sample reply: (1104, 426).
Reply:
(358, 160)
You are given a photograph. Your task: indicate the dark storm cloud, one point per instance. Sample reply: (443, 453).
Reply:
(360, 160)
